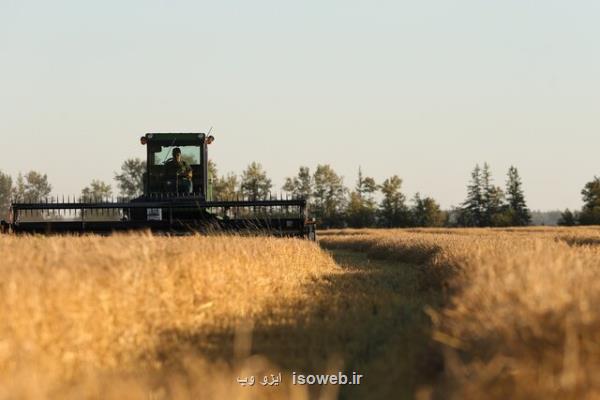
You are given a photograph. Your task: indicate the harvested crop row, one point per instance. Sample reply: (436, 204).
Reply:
(522, 321)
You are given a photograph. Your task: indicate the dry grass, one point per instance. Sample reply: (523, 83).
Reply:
(521, 319)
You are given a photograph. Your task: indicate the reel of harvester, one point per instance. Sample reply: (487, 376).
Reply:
(177, 199)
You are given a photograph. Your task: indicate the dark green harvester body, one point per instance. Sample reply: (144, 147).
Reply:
(170, 204)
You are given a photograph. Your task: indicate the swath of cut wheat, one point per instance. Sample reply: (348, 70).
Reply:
(521, 320)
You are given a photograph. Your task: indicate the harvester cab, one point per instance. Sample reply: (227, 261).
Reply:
(165, 174)
(177, 199)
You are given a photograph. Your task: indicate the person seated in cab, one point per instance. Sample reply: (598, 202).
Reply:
(179, 173)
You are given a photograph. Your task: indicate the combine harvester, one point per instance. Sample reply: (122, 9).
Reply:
(172, 203)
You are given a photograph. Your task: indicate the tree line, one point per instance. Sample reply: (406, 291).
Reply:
(366, 204)
(333, 204)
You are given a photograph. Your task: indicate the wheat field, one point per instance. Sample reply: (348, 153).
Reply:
(97, 317)
(148, 317)
(425, 313)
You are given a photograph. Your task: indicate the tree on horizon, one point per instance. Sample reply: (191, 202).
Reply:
(590, 213)
(6, 190)
(567, 218)
(301, 185)
(362, 208)
(493, 206)
(393, 212)
(472, 208)
(329, 194)
(519, 212)
(31, 187)
(426, 212)
(254, 183)
(97, 190)
(131, 179)
(224, 187)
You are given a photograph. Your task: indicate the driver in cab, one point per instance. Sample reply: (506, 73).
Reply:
(180, 171)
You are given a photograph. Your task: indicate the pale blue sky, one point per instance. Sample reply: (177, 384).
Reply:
(422, 89)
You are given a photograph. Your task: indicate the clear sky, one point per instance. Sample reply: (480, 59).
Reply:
(423, 89)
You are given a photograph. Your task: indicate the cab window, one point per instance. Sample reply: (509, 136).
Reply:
(189, 154)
